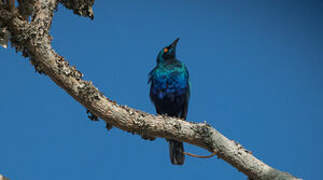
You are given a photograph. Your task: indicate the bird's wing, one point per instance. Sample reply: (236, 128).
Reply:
(150, 75)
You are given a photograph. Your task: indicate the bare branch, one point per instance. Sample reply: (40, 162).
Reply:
(80, 7)
(3, 177)
(34, 41)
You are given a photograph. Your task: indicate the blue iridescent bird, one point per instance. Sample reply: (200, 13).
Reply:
(170, 93)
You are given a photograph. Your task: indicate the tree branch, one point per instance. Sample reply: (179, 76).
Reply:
(35, 42)
(80, 7)
(3, 177)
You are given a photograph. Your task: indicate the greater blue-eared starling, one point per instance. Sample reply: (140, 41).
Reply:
(170, 93)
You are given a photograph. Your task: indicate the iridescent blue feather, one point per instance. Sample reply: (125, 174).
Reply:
(170, 88)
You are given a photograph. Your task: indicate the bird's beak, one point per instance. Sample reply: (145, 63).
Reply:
(173, 45)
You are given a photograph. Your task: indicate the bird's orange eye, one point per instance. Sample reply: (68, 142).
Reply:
(165, 50)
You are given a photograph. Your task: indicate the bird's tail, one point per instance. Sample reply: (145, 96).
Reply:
(176, 152)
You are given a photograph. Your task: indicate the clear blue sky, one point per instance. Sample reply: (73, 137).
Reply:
(256, 73)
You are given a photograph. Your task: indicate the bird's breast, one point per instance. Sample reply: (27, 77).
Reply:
(169, 85)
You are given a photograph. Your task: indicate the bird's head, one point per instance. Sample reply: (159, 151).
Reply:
(168, 52)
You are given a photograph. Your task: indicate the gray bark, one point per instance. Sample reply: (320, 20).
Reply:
(34, 41)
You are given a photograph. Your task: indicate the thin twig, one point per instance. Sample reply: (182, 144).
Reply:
(199, 156)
